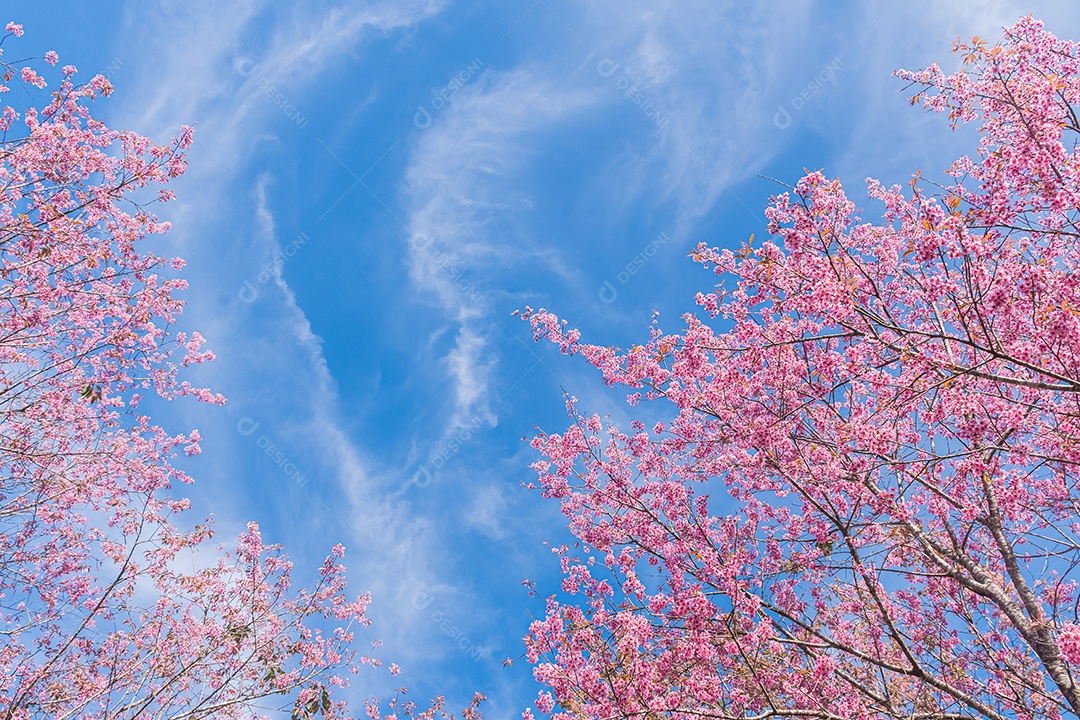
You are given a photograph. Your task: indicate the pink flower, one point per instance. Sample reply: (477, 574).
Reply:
(545, 703)
(1069, 643)
(14, 28)
(31, 77)
(92, 326)
(858, 363)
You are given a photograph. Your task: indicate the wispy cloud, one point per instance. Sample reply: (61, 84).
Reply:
(461, 195)
(887, 139)
(653, 114)
(702, 127)
(211, 64)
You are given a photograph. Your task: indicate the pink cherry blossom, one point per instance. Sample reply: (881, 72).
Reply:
(862, 500)
(108, 608)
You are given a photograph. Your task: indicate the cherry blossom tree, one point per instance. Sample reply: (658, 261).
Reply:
(107, 608)
(861, 499)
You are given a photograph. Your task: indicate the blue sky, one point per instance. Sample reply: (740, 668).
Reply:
(376, 186)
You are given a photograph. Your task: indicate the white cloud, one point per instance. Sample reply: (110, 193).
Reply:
(458, 186)
(889, 139)
(703, 128)
(487, 511)
(196, 68)
(713, 73)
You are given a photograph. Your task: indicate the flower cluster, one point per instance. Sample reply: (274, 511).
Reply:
(108, 609)
(865, 501)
